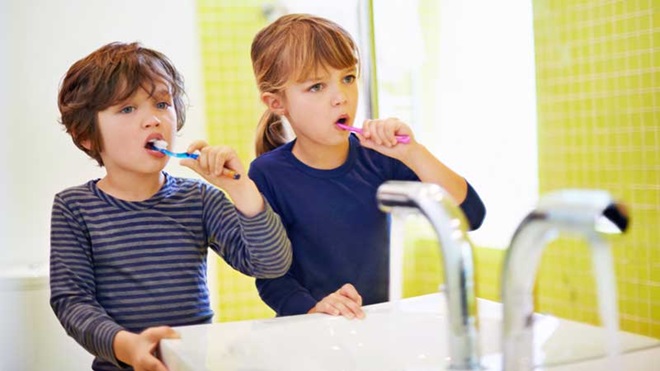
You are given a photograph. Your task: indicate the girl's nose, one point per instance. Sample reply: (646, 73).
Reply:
(339, 98)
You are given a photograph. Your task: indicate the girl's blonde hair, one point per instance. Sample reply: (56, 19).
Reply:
(292, 49)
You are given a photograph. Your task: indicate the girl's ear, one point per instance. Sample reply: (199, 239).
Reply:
(274, 102)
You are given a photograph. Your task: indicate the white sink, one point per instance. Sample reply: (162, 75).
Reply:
(407, 335)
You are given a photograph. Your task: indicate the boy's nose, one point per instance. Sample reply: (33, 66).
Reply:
(152, 120)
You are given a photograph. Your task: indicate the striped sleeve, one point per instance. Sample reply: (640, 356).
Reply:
(256, 246)
(73, 288)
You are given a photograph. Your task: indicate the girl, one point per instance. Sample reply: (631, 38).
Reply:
(323, 183)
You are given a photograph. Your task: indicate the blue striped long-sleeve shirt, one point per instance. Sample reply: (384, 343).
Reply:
(118, 265)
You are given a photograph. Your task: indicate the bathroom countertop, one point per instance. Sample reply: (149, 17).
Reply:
(404, 335)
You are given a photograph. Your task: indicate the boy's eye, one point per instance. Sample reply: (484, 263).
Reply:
(127, 109)
(163, 105)
(349, 79)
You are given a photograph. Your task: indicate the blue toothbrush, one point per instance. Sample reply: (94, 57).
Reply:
(161, 146)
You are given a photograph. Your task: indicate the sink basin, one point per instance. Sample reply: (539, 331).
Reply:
(403, 335)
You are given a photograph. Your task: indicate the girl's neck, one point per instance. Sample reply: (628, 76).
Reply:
(131, 187)
(321, 157)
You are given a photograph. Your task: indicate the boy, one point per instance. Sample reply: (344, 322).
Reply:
(128, 251)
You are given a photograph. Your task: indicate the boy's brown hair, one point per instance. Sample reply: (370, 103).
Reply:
(106, 77)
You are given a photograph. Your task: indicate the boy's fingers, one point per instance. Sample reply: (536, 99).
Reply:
(196, 145)
(161, 332)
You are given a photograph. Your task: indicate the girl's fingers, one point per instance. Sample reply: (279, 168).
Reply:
(349, 291)
(338, 303)
(382, 132)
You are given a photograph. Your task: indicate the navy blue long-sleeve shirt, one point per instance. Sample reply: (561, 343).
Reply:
(337, 232)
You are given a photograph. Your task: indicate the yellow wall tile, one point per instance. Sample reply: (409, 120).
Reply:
(597, 89)
(232, 110)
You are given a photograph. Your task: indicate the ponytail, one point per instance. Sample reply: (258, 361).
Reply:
(270, 133)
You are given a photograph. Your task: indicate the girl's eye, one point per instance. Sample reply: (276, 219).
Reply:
(349, 79)
(163, 105)
(127, 109)
(316, 87)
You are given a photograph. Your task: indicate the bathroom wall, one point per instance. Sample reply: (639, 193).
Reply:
(4, 97)
(599, 127)
(43, 39)
(39, 40)
(233, 109)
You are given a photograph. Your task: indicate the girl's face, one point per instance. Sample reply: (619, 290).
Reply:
(128, 126)
(314, 107)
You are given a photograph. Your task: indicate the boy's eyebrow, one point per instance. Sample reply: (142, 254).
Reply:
(162, 93)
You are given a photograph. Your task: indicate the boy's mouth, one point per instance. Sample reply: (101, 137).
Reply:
(342, 120)
(153, 140)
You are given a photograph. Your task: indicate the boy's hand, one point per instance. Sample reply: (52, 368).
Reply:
(346, 302)
(380, 135)
(138, 350)
(215, 164)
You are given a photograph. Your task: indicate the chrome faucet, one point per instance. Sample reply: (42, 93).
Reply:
(451, 227)
(588, 213)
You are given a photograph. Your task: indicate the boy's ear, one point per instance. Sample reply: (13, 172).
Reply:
(86, 144)
(274, 102)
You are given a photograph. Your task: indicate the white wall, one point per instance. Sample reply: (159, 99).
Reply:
(487, 108)
(39, 40)
(4, 96)
(45, 38)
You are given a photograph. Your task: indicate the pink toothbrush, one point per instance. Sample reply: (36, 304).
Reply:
(405, 139)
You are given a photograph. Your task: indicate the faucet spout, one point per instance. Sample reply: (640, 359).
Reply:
(588, 213)
(451, 228)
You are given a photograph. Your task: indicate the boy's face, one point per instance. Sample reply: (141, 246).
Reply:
(127, 127)
(314, 106)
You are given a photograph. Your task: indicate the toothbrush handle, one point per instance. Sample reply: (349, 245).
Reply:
(194, 156)
(404, 139)
(225, 172)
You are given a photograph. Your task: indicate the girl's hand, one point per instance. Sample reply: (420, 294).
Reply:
(380, 135)
(139, 350)
(346, 302)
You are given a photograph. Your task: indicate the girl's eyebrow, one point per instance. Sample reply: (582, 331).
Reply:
(311, 79)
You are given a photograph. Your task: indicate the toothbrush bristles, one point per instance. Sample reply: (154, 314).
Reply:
(158, 144)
